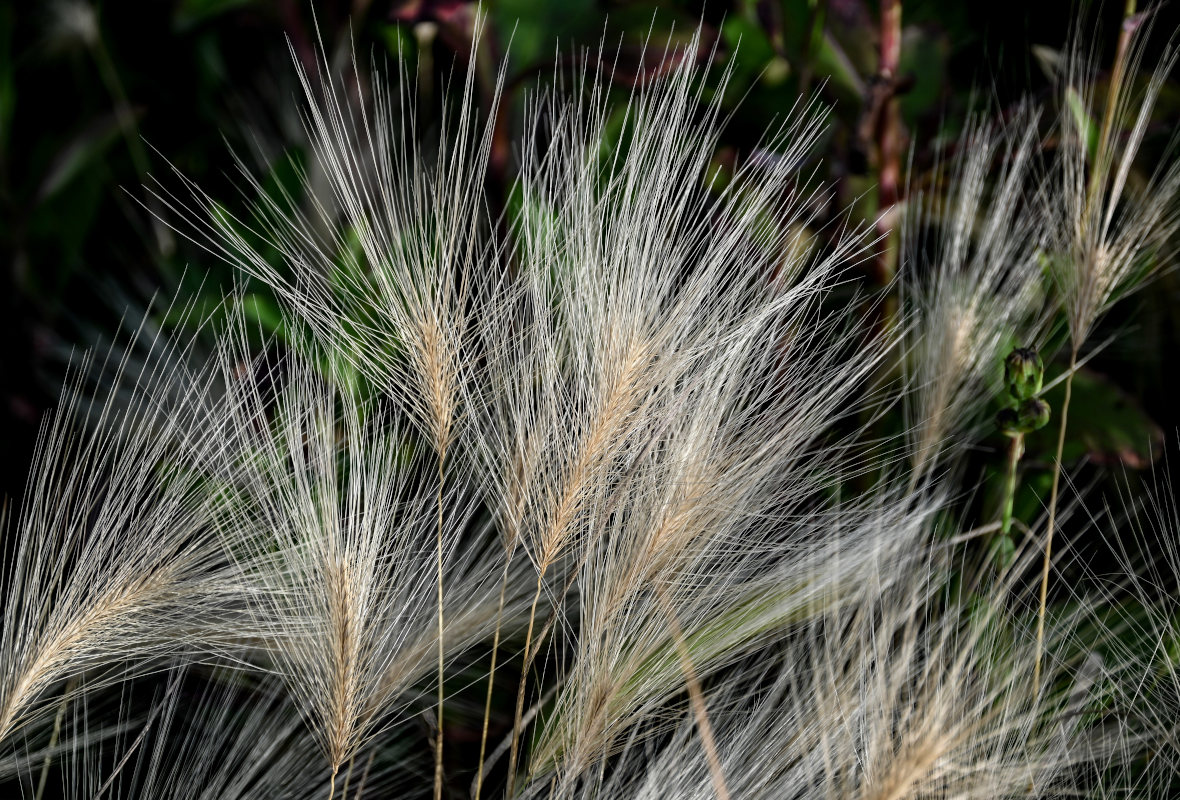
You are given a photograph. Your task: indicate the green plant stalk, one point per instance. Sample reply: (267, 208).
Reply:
(1053, 493)
(1015, 453)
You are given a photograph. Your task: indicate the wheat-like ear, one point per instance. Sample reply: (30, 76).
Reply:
(379, 267)
(330, 511)
(1111, 228)
(926, 692)
(657, 372)
(629, 277)
(712, 534)
(909, 688)
(1110, 234)
(112, 550)
(379, 262)
(971, 283)
(750, 579)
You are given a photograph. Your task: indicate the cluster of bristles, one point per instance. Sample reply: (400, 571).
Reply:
(599, 465)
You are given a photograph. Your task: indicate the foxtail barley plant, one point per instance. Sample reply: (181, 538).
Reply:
(621, 492)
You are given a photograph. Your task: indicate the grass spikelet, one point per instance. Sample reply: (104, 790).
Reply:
(379, 265)
(971, 287)
(1111, 228)
(730, 596)
(1111, 233)
(630, 442)
(639, 304)
(624, 288)
(112, 547)
(330, 514)
(908, 689)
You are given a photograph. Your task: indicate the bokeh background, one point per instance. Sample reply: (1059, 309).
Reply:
(99, 99)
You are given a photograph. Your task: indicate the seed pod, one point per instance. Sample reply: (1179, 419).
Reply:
(1024, 373)
(1008, 421)
(1033, 414)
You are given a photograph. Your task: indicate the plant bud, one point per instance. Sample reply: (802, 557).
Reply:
(1008, 421)
(1033, 414)
(1023, 373)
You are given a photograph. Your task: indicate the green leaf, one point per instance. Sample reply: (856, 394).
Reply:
(749, 41)
(536, 28)
(923, 56)
(190, 13)
(1106, 425)
(79, 153)
(264, 312)
(1087, 127)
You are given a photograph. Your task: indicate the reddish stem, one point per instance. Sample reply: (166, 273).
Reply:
(888, 141)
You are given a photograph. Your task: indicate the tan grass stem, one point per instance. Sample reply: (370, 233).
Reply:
(57, 720)
(487, 709)
(514, 747)
(438, 748)
(1053, 492)
(696, 697)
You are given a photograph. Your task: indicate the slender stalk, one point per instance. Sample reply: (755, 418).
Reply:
(1073, 362)
(1015, 452)
(502, 747)
(360, 789)
(1118, 74)
(438, 748)
(516, 719)
(697, 697)
(57, 721)
(1000, 545)
(487, 709)
(332, 784)
(888, 141)
(347, 777)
